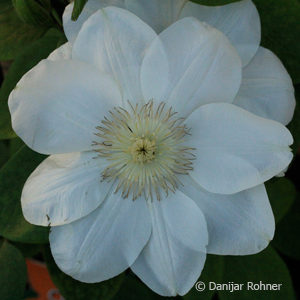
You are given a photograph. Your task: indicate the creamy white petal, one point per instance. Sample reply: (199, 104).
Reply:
(239, 21)
(115, 41)
(56, 106)
(105, 243)
(267, 89)
(282, 173)
(174, 257)
(237, 224)
(191, 64)
(71, 27)
(235, 149)
(62, 52)
(159, 14)
(64, 188)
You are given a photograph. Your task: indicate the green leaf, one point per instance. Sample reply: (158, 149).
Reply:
(34, 13)
(30, 293)
(13, 273)
(282, 193)
(6, 131)
(76, 290)
(5, 151)
(28, 250)
(212, 272)
(15, 145)
(45, 3)
(4, 5)
(28, 58)
(25, 61)
(15, 34)
(288, 231)
(13, 175)
(281, 30)
(133, 289)
(77, 9)
(265, 267)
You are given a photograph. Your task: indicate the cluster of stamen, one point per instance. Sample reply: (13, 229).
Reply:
(144, 149)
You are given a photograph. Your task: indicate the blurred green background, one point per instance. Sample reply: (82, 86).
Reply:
(29, 31)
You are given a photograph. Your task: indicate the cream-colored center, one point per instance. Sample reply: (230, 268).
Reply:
(145, 150)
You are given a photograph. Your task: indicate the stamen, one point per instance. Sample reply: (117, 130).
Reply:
(145, 150)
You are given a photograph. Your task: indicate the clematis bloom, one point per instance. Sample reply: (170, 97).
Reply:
(266, 88)
(152, 164)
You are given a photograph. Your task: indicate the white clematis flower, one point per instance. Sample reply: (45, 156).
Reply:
(266, 88)
(152, 165)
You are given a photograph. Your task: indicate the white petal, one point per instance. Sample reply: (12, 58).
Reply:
(267, 89)
(239, 21)
(237, 224)
(191, 64)
(159, 14)
(56, 106)
(282, 173)
(64, 188)
(235, 149)
(174, 257)
(115, 40)
(105, 243)
(62, 52)
(72, 28)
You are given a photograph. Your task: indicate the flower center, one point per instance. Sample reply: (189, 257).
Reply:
(145, 150)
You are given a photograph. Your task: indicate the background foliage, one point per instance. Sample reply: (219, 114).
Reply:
(29, 31)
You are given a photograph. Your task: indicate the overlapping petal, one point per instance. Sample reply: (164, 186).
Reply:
(115, 41)
(71, 27)
(62, 52)
(156, 13)
(105, 243)
(56, 106)
(191, 64)
(64, 188)
(237, 224)
(159, 14)
(267, 89)
(235, 149)
(174, 257)
(239, 21)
